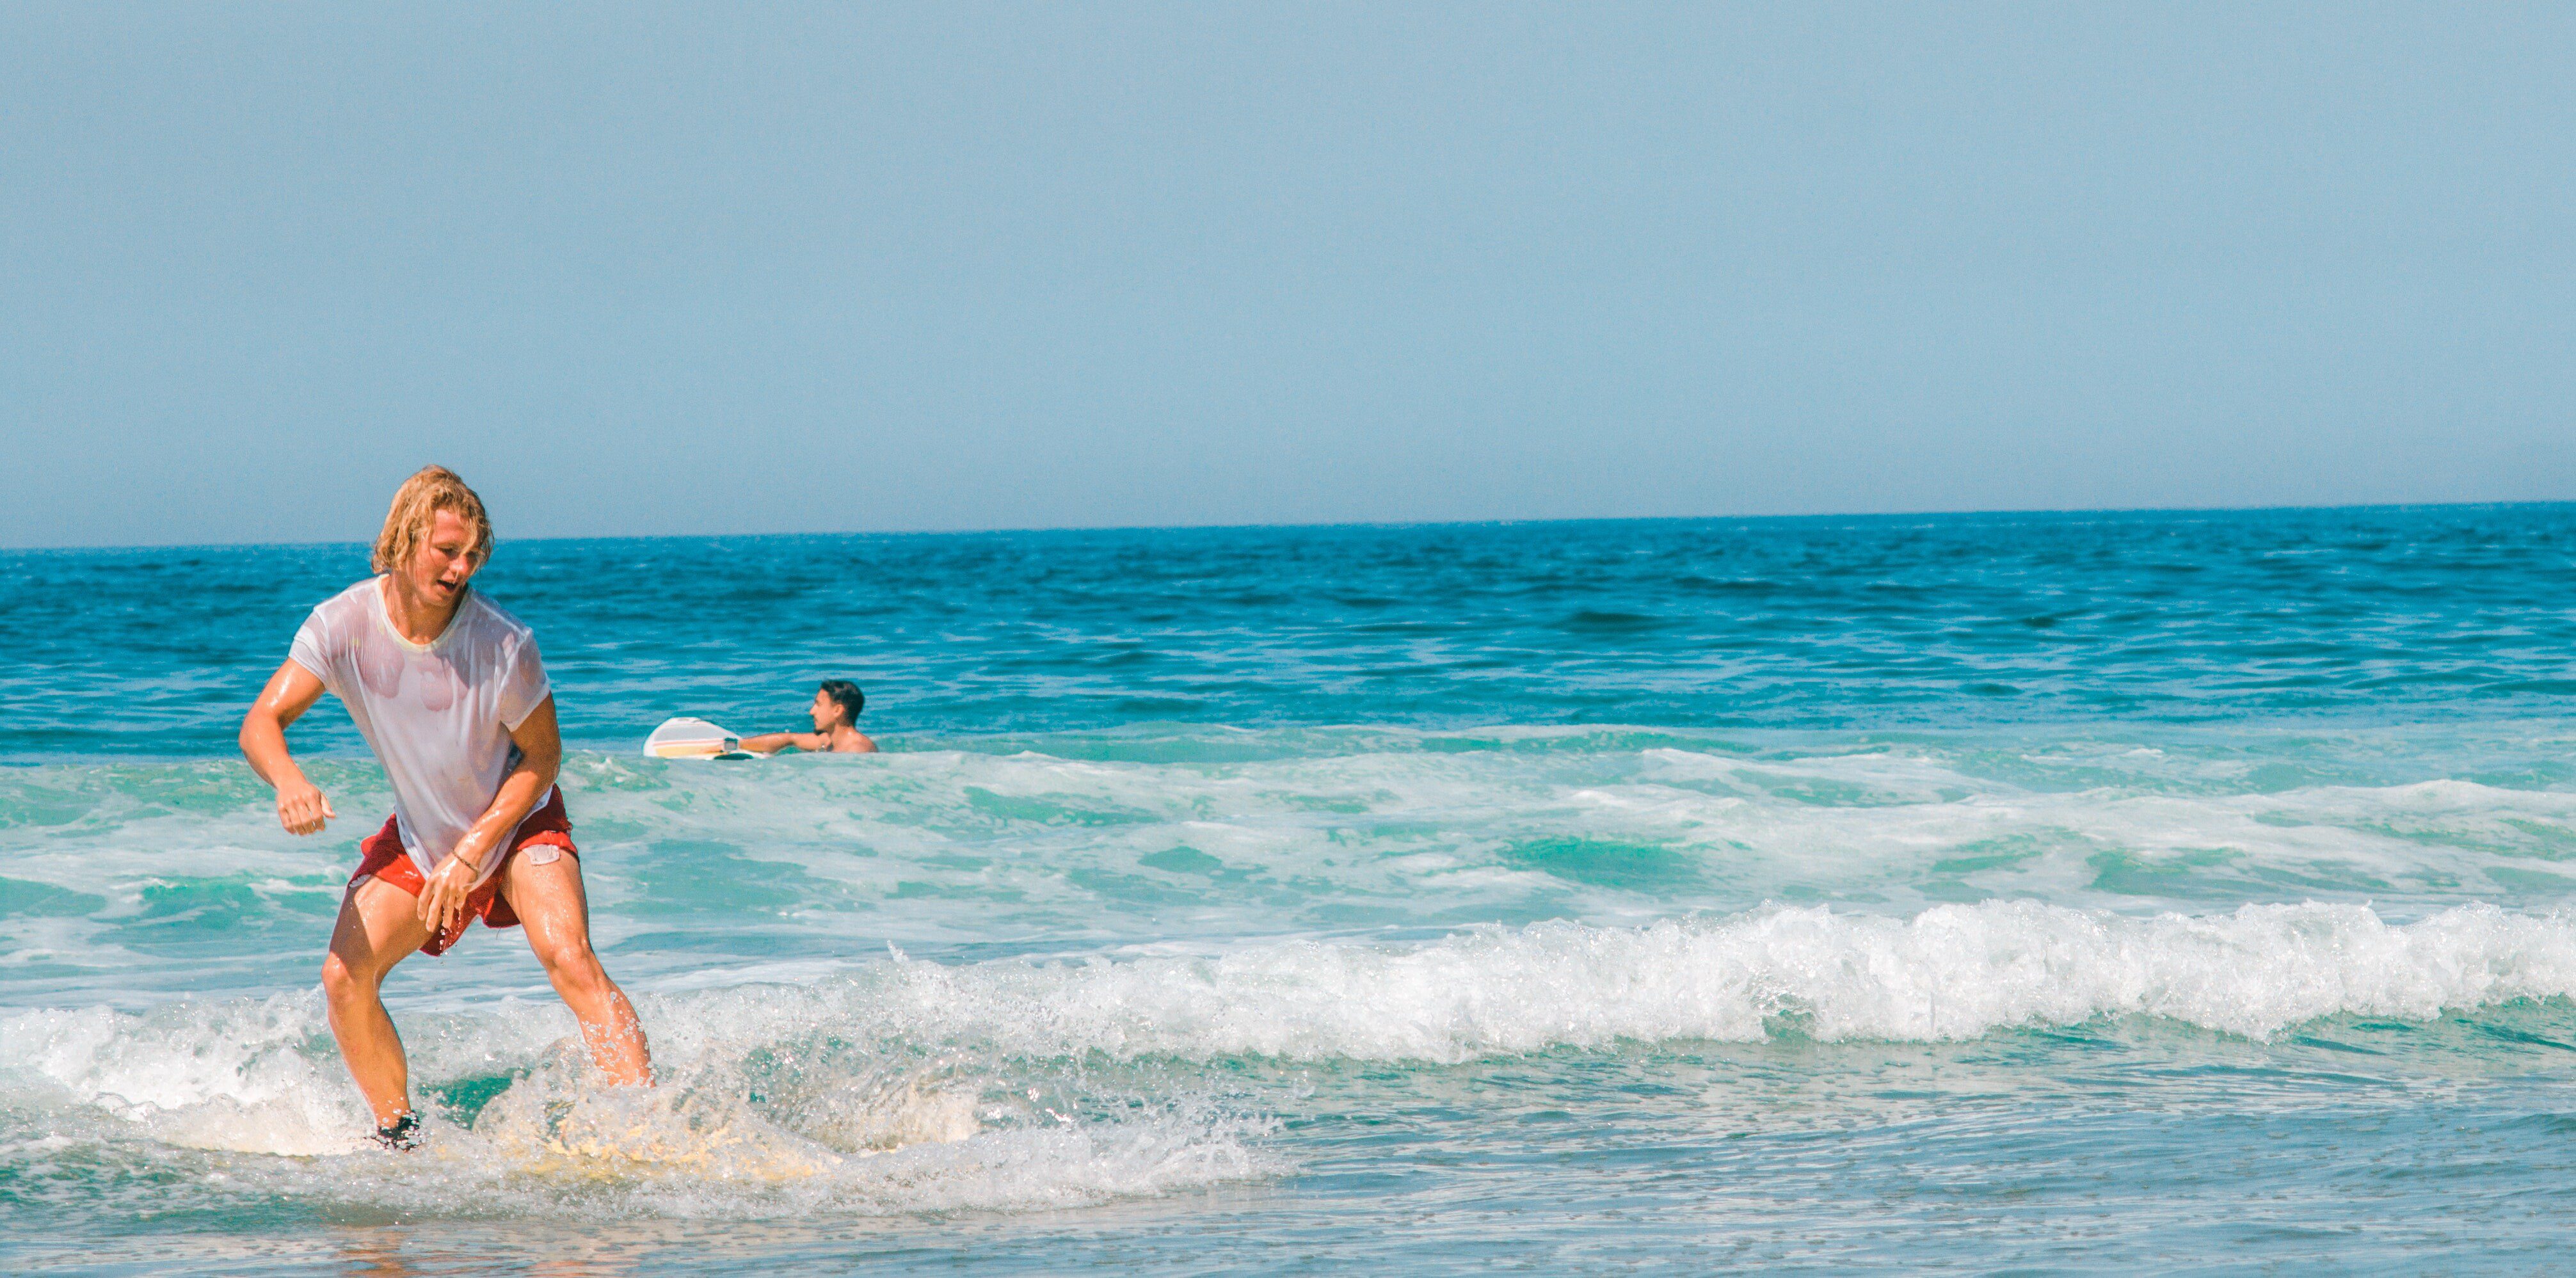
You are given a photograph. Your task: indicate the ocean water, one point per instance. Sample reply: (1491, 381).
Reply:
(1977, 893)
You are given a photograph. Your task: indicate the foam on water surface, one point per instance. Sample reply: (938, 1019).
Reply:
(248, 1099)
(1054, 1081)
(1336, 832)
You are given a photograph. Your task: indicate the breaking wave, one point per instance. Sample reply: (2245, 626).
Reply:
(908, 1086)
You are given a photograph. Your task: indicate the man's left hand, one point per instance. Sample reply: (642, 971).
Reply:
(443, 896)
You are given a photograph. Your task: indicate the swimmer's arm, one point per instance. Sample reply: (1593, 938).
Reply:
(773, 742)
(301, 806)
(540, 745)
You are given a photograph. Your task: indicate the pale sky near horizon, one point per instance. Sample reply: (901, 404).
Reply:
(822, 268)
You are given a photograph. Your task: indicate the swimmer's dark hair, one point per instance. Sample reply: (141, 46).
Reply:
(851, 700)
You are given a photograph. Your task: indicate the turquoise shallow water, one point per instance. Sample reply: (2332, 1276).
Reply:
(2046, 892)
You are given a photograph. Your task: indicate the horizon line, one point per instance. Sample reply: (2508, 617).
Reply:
(1360, 523)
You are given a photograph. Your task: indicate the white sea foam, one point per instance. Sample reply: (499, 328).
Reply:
(1951, 972)
(1438, 832)
(912, 1085)
(857, 1135)
(235, 1075)
(1372, 830)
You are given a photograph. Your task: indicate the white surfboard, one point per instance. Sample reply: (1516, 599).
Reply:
(686, 738)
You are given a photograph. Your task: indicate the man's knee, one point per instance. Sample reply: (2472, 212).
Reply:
(573, 966)
(342, 980)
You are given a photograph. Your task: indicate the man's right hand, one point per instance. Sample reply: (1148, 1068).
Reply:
(290, 692)
(302, 807)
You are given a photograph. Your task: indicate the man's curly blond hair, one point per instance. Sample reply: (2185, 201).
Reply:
(416, 506)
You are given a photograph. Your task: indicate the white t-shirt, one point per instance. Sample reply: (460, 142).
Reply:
(438, 715)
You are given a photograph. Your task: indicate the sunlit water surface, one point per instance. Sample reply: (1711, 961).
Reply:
(2053, 892)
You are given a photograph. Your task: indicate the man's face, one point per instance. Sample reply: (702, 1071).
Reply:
(445, 560)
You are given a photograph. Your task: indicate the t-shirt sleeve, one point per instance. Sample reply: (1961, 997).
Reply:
(524, 685)
(311, 648)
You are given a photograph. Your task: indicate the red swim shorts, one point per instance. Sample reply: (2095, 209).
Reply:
(381, 856)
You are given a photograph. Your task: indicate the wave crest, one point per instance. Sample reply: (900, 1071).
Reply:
(1951, 972)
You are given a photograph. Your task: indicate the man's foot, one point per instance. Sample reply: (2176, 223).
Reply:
(402, 1134)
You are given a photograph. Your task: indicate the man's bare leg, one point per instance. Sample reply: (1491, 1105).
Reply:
(552, 906)
(378, 928)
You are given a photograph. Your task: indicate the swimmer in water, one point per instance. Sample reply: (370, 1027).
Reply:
(836, 725)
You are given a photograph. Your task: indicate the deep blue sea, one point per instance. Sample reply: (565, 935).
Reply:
(2110, 892)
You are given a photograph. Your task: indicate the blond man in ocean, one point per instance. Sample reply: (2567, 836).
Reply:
(451, 695)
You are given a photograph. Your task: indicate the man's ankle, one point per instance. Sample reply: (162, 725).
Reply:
(402, 1134)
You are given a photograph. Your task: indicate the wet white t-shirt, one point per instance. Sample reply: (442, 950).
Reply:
(438, 715)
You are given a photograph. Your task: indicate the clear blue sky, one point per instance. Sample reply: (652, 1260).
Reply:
(736, 268)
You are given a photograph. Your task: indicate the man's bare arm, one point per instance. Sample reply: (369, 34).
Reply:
(773, 742)
(540, 745)
(301, 806)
